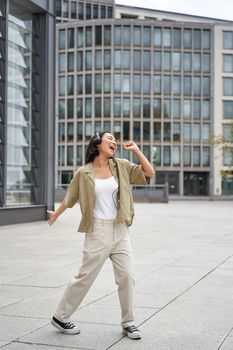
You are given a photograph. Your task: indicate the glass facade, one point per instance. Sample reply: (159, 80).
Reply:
(27, 128)
(139, 88)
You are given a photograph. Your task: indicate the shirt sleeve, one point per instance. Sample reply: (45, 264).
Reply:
(137, 176)
(72, 193)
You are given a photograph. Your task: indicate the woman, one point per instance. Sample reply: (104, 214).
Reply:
(102, 187)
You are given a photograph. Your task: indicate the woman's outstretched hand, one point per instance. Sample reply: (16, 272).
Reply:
(52, 217)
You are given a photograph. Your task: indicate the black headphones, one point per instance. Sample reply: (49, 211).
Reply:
(97, 140)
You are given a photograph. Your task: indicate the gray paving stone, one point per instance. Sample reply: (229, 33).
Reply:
(3, 343)
(228, 344)
(170, 341)
(15, 327)
(92, 336)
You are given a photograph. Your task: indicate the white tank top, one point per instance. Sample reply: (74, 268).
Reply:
(105, 198)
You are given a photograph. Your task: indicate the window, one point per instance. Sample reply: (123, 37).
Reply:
(88, 11)
(98, 35)
(126, 135)
(176, 61)
(196, 132)
(228, 40)
(126, 83)
(80, 61)
(187, 156)
(126, 59)
(187, 109)
(70, 38)
(206, 39)
(79, 131)
(228, 132)
(97, 107)
(167, 132)
(146, 84)
(146, 60)
(206, 156)
(167, 61)
(157, 61)
(197, 62)
(157, 108)
(205, 132)
(88, 84)
(228, 157)
(62, 86)
(62, 62)
(88, 107)
(176, 38)
(137, 60)
(80, 37)
(107, 83)
(107, 35)
(157, 131)
(187, 64)
(176, 109)
(95, 11)
(61, 109)
(70, 132)
(88, 36)
(167, 85)
(98, 84)
(197, 38)
(106, 107)
(70, 85)
(136, 107)
(98, 59)
(136, 131)
(117, 83)
(166, 108)
(197, 109)
(61, 132)
(206, 86)
(176, 85)
(206, 63)
(187, 38)
(146, 131)
(73, 9)
(137, 36)
(206, 109)
(79, 155)
(228, 63)
(70, 108)
(70, 61)
(61, 155)
(166, 155)
(146, 36)
(157, 84)
(176, 132)
(117, 35)
(79, 108)
(167, 37)
(137, 83)
(107, 59)
(157, 37)
(176, 155)
(187, 86)
(88, 60)
(228, 86)
(228, 109)
(126, 107)
(126, 35)
(146, 108)
(103, 11)
(187, 132)
(61, 39)
(196, 156)
(70, 155)
(197, 86)
(80, 10)
(110, 12)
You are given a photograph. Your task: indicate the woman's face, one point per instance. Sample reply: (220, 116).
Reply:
(108, 145)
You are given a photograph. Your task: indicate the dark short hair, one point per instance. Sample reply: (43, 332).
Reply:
(92, 150)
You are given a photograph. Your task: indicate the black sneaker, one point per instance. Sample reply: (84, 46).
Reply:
(132, 332)
(65, 327)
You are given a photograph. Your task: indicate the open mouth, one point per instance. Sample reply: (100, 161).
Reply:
(113, 148)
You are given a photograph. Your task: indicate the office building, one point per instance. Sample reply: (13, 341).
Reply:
(27, 109)
(163, 79)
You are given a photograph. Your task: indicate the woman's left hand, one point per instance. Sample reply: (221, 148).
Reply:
(130, 146)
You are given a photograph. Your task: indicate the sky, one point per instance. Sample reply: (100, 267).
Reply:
(222, 9)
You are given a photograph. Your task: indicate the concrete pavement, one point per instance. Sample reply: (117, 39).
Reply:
(184, 282)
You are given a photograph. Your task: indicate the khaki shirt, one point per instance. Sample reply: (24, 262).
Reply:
(82, 189)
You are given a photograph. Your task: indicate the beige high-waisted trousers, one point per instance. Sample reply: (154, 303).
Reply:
(108, 240)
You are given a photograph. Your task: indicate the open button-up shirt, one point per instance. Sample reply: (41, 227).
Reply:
(82, 189)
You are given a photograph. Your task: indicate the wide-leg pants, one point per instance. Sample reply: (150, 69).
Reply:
(108, 240)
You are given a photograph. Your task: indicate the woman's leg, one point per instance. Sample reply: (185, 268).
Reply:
(121, 257)
(96, 251)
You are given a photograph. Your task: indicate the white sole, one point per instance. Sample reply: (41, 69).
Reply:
(131, 336)
(65, 331)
